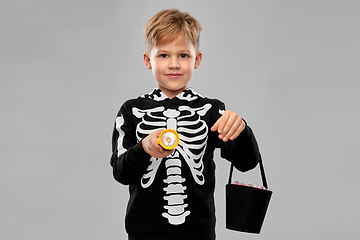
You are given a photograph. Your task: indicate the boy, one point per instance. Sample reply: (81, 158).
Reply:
(171, 191)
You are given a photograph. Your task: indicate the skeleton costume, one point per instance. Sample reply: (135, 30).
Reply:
(172, 198)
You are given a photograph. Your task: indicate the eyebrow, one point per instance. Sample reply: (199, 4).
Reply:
(180, 51)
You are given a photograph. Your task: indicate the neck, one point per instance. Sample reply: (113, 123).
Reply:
(171, 94)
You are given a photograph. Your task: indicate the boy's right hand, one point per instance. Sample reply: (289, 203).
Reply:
(151, 146)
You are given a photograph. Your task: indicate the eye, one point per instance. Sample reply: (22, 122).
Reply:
(163, 55)
(183, 55)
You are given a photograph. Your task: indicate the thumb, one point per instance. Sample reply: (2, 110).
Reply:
(157, 135)
(156, 140)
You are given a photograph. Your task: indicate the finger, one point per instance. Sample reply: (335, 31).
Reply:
(215, 126)
(154, 144)
(222, 121)
(237, 133)
(236, 129)
(229, 134)
(155, 139)
(230, 126)
(159, 148)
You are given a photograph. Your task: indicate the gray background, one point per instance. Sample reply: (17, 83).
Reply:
(290, 68)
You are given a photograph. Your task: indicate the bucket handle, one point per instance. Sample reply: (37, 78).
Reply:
(262, 171)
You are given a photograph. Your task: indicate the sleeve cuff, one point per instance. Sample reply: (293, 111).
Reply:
(140, 155)
(245, 135)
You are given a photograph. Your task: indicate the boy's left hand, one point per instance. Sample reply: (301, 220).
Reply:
(229, 126)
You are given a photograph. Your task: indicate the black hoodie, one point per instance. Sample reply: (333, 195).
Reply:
(172, 198)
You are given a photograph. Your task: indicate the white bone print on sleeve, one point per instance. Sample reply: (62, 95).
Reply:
(118, 124)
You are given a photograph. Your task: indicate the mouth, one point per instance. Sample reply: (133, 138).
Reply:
(173, 75)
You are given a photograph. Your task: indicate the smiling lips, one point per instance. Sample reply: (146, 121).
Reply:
(173, 75)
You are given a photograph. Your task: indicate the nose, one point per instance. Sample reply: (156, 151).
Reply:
(174, 63)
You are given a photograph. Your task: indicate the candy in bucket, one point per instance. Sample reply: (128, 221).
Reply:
(249, 185)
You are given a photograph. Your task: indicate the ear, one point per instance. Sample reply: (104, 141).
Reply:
(198, 60)
(147, 60)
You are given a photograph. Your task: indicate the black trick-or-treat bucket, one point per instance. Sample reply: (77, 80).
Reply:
(246, 205)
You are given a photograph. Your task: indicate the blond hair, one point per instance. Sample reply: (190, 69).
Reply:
(169, 25)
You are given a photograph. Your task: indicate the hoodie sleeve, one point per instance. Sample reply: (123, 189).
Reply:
(243, 151)
(128, 159)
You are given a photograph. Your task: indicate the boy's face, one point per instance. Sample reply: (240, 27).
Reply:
(173, 65)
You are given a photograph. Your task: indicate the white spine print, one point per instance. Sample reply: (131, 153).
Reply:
(175, 192)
